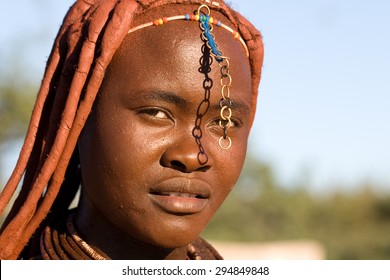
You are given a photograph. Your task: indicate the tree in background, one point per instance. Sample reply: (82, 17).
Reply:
(351, 225)
(16, 101)
(15, 109)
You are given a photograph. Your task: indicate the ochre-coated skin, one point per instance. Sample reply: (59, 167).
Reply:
(138, 143)
(48, 165)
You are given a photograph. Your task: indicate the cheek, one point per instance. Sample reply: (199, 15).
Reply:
(105, 153)
(228, 164)
(122, 141)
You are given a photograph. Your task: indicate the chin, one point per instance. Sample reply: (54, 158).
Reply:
(173, 237)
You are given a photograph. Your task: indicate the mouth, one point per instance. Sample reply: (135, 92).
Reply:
(181, 196)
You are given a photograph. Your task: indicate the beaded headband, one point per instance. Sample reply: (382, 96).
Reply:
(206, 23)
(196, 17)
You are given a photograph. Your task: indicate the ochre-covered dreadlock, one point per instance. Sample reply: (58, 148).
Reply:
(91, 33)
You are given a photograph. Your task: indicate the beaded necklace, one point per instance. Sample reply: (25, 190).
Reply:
(67, 244)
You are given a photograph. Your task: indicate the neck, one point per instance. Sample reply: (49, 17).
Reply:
(113, 243)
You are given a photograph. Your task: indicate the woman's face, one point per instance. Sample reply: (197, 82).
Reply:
(140, 160)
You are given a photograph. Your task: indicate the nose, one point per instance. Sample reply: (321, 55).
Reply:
(186, 155)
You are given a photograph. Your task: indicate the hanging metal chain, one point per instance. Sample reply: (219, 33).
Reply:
(205, 23)
(225, 122)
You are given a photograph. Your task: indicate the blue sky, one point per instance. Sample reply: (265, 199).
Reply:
(325, 93)
(323, 106)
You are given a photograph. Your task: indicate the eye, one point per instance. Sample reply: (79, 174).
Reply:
(236, 123)
(154, 113)
(215, 126)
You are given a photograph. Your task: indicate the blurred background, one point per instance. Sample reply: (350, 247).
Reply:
(316, 183)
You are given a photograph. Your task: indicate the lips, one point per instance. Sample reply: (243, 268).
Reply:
(181, 195)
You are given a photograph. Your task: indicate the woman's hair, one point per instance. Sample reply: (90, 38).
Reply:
(90, 34)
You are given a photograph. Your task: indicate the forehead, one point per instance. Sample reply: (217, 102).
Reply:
(171, 54)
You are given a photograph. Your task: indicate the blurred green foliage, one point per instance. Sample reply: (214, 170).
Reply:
(351, 225)
(16, 101)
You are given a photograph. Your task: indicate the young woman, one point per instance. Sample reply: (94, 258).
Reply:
(146, 106)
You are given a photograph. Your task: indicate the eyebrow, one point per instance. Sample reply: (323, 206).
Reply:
(166, 96)
(236, 105)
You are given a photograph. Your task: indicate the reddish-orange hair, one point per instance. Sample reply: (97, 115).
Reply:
(91, 33)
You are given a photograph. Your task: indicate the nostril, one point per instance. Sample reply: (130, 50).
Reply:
(183, 163)
(204, 168)
(178, 165)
